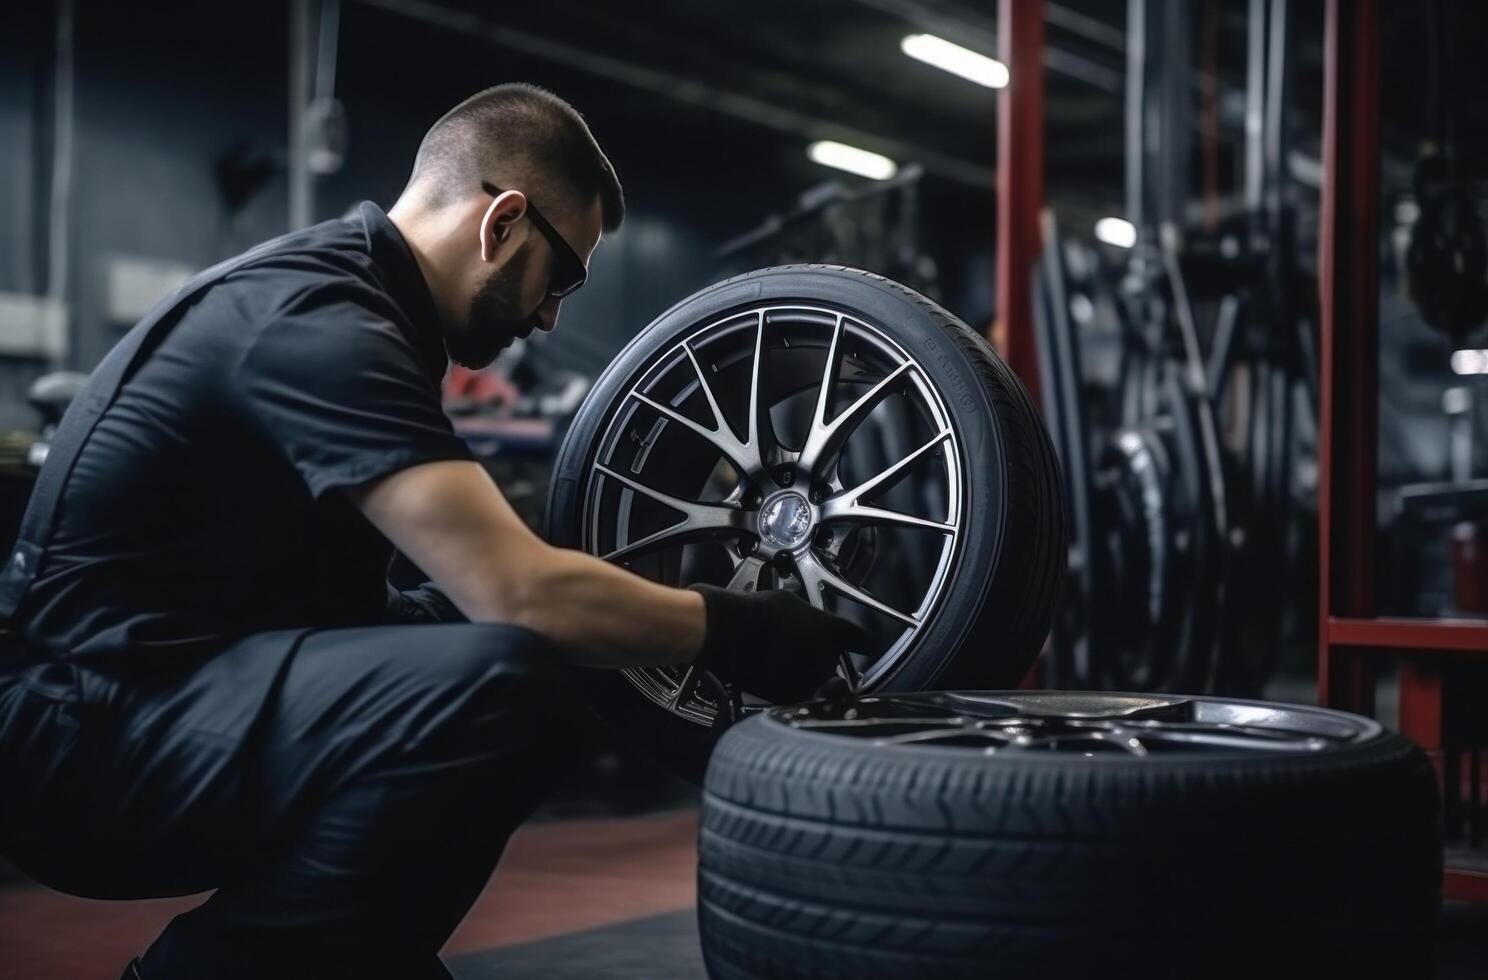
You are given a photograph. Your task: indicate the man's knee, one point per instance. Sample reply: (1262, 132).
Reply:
(459, 696)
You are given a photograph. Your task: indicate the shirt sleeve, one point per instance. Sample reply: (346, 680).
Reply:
(341, 392)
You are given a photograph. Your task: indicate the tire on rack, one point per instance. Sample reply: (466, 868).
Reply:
(882, 839)
(993, 578)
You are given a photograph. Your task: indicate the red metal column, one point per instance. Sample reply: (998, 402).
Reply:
(1348, 283)
(1421, 703)
(1020, 178)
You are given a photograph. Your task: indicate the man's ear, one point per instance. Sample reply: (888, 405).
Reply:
(497, 224)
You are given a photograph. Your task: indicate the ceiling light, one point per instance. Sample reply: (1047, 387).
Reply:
(853, 160)
(955, 59)
(1470, 361)
(1116, 231)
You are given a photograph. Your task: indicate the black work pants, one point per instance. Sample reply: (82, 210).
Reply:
(346, 792)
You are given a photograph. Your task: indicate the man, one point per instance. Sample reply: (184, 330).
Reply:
(209, 695)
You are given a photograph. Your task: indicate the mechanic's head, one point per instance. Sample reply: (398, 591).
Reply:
(508, 197)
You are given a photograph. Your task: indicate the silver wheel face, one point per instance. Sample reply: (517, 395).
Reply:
(999, 723)
(785, 446)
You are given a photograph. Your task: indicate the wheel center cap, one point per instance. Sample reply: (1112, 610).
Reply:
(785, 520)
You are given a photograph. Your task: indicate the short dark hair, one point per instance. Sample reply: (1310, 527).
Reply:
(522, 128)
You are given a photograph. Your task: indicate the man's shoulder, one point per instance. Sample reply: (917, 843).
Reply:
(324, 263)
(314, 288)
(311, 296)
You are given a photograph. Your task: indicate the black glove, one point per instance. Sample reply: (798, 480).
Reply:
(425, 604)
(773, 644)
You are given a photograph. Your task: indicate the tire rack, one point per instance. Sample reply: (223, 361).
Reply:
(1352, 640)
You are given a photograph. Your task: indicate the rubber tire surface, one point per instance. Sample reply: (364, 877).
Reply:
(824, 856)
(997, 606)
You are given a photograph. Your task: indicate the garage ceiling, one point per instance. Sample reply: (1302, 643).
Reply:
(832, 67)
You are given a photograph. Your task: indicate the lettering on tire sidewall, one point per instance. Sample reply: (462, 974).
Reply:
(954, 385)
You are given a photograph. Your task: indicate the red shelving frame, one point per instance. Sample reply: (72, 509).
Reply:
(1352, 640)
(1020, 180)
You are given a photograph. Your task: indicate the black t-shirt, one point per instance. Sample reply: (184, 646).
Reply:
(201, 507)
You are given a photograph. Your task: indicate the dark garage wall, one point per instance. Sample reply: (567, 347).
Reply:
(164, 92)
(159, 101)
(24, 57)
(156, 102)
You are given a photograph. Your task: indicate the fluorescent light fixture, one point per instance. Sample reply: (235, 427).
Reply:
(955, 59)
(1116, 231)
(853, 160)
(1470, 361)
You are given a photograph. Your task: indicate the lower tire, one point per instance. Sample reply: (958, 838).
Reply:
(881, 839)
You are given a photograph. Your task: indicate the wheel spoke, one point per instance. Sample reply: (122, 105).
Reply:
(718, 421)
(936, 734)
(721, 436)
(810, 582)
(685, 687)
(866, 402)
(814, 575)
(1269, 733)
(699, 520)
(692, 508)
(829, 378)
(849, 670)
(1083, 740)
(720, 439)
(825, 439)
(746, 575)
(847, 499)
(864, 727)
(839, 509)
(1219, 738)
(682, 532)
(759, 409)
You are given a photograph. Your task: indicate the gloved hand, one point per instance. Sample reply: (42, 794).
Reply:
(773, 644)
(425, 604)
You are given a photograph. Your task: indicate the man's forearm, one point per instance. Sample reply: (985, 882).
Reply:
(598, 614)
(450, 519)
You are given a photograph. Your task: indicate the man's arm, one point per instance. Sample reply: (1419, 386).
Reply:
(452, 521)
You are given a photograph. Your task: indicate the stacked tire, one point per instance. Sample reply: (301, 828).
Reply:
(825, 855)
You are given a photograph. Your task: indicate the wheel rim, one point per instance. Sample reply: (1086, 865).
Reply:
(999, 723)
(766, 432)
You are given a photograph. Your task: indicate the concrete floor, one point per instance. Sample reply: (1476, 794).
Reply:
(661, 947)
(557, 878)
(573, 898)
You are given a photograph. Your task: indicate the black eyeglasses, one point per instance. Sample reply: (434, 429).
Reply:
(569, 271)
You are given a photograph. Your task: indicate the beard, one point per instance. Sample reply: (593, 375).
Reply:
(495, 317)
